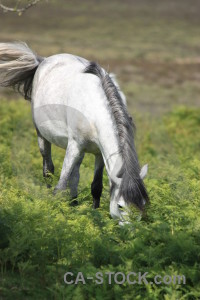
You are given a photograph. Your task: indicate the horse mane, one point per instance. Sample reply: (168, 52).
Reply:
(132, 188)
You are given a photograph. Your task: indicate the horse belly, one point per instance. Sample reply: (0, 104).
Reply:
(55, 132)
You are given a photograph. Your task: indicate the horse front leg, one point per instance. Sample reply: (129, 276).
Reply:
(72, 157)
(97, 184)
(74, 180)
(45, 150)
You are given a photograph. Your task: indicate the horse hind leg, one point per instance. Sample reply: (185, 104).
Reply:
(45, 150)
(97, 184)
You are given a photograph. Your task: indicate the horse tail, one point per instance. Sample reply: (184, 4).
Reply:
(132, 188)
(18, 65)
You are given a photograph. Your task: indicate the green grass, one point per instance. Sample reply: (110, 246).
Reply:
(42, 236)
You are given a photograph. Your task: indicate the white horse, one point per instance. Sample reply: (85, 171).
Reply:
(79, 107)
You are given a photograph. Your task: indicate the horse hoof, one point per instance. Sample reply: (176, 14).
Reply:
(96, 203)
(74, 203)
(55, 191)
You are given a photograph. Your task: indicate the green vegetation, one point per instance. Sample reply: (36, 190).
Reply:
(42, 237)
(153, 47)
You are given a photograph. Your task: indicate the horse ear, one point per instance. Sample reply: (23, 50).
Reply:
(143, 172)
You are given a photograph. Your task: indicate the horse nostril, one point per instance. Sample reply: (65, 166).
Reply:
(119, 206)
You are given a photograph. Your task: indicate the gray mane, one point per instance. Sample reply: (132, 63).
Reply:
(132, 187)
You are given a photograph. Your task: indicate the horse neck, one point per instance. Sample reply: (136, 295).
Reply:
(109, 146)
